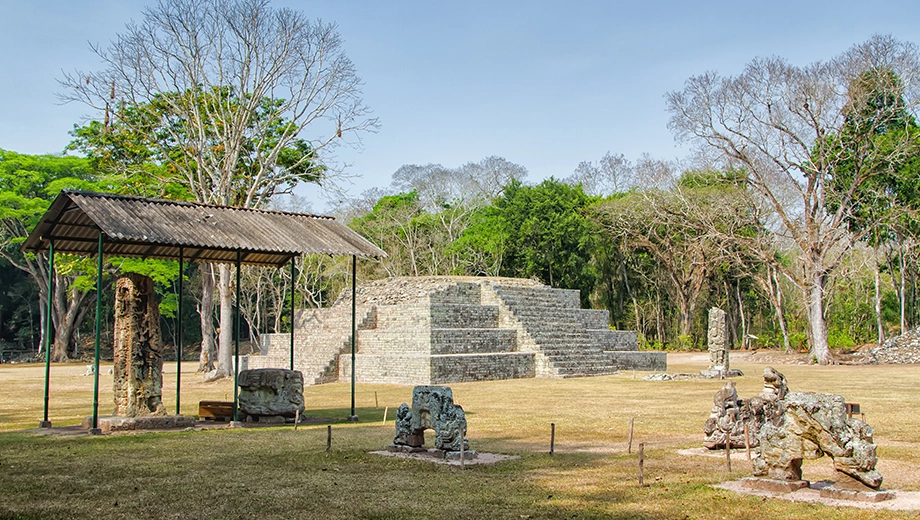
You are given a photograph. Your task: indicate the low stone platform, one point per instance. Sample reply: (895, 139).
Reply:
(433, 452)
(773, 485)
(854, 490)
(119, 424)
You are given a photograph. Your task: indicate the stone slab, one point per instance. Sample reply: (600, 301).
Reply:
(773, 485)
(110, 424)
(857, 496)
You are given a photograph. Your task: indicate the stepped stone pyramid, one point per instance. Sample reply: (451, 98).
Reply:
(434, 330)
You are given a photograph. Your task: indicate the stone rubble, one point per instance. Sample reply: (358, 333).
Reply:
(900, 350)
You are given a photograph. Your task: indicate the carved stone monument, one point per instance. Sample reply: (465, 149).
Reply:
(432, 408)
(717, 342)
(788, 427)
(138, 372)
(729, 415)
(270, 394)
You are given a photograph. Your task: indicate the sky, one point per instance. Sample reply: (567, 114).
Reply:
(545, 84)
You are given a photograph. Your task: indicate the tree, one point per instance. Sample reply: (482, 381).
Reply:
(612, 174)
(782, 125)
(237, 100)
(28, 184)
(684, 229)
(546, 235)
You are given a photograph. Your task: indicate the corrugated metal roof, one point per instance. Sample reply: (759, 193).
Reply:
(154, 228)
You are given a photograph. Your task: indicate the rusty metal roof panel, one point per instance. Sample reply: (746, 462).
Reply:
(154, 228)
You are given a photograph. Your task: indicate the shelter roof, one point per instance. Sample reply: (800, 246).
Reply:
(155, 228)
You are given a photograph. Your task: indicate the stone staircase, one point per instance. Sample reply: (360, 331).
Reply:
(432, 330)
(320, 336)
(573, 341)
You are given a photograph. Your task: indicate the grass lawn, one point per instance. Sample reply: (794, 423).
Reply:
(280, 473)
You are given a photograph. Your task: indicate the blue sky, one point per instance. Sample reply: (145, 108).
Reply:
(545, 84)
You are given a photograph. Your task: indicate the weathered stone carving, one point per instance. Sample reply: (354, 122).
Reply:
(432, 408)
(788, 427)
(717, 341)
(138, 348)
(729, 415)
(814, 425)
(270, 393)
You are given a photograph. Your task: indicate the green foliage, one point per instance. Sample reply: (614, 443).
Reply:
(547, 235)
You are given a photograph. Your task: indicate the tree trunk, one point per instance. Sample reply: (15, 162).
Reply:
(744, 332)
(206, 314)
(225, 336)
(817, 323)
(778, 307)
(878, 301)
(67, 324)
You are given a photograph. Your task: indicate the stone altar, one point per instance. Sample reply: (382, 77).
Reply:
(270, 394)
(432, 408)
(138, 349)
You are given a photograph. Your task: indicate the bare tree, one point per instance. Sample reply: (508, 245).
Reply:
(241, 101)
(612, 174)
(784, 125)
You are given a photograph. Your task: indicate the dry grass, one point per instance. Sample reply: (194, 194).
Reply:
(279, 473)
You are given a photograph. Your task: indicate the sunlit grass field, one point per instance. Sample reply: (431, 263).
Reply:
(277, 472)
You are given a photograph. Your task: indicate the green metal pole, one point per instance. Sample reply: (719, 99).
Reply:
(95, 429)
(292, 312)
(48, 328)
(179, 337)
(353, 416)
(236, 343)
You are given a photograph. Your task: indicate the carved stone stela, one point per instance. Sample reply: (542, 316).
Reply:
(432, 408)
(138, 347)
(788, 427)
(717, 343)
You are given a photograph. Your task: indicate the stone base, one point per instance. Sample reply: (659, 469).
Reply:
(402, 448)
(848, 488)
(44, 424)
(773, 485)
(433, 452)
(857, 496)
(117, 424)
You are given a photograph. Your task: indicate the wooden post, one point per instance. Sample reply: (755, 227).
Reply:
(629, 439)
(376, 404)
(385, 410)
(296, 419)
(328, 437)
(552, 438)
(641, 464)
(728, 451)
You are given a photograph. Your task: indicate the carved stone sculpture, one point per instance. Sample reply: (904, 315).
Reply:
(814, 425)
(717, 338)
(788, 427)
(270, 393)
(138, 349)
(432, 408)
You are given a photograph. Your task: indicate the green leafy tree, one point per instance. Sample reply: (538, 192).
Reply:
(545, 235)
(28, 184)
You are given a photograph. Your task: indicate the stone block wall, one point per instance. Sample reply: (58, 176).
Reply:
(432, 330)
